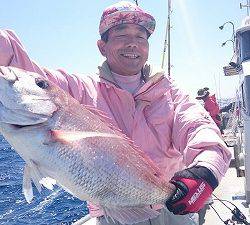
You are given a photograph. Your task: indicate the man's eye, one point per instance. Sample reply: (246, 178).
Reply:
(121, 36)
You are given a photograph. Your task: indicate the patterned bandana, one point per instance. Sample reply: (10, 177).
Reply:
(125, 12)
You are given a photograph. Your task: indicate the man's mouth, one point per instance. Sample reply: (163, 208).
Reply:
(130, 55)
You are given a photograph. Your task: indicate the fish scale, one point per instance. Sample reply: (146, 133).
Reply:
(78, 147)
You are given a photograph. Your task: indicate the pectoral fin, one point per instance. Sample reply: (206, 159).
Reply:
(33, 173)
(39, 178)
(27, 186)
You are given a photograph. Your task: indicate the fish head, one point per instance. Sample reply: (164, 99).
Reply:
(27, 106)
(25, 97)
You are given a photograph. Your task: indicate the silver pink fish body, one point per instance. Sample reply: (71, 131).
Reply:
(77, 147)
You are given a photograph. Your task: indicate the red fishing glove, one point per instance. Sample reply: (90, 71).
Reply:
(193, 188)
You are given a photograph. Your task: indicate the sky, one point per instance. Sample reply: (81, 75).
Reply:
(63, 34)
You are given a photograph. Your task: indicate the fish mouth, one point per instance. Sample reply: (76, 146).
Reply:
(18, 119)
(23, 128)
(17, 126)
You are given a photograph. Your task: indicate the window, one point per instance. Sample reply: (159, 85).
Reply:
(245, 45)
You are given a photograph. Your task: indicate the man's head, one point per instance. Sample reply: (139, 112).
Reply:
(202, 94)
(124, 30)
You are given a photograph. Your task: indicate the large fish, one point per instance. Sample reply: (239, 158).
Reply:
(76, 146)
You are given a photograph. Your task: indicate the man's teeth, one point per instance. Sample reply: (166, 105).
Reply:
(132, 56)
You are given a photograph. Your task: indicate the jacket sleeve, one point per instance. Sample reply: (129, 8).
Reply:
(13, 53)
(196, 135)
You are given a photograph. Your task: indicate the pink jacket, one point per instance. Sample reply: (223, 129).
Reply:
(172, 129)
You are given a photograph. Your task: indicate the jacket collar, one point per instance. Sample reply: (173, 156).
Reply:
(151, 76)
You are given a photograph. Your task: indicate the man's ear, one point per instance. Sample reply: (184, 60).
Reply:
(101, 45)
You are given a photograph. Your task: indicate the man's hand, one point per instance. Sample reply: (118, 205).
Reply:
(193, 188)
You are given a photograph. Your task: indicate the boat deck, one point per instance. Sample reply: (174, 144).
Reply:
(231, 189)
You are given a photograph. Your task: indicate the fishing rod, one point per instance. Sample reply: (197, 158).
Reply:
(237, 215)
(136, 2)
(166, 45)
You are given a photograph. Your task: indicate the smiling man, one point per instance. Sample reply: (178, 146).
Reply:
(126, 48)
(124, 30)
(172, 129)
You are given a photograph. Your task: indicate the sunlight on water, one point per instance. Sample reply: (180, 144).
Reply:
(49, 207)
(49, 199)
(5, 214)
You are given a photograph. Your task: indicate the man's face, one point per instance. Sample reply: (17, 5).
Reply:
(126, 49)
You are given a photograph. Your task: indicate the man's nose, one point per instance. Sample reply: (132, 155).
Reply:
(132, 42)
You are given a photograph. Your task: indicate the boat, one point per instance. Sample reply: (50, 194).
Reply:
(230, 204)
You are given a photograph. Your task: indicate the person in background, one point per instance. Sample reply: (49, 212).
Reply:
(228, 108)
(225, 114)
(211, 105)
(231, 112)
(145, 103)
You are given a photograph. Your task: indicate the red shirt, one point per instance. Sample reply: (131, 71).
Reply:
(213, 108)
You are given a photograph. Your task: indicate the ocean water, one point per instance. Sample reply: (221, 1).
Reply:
(49, 207)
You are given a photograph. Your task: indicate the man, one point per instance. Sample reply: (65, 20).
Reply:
(173, 130)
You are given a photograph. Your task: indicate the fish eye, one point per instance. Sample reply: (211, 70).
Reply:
(41, 83)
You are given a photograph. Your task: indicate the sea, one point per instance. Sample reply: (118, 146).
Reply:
(47, 208)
